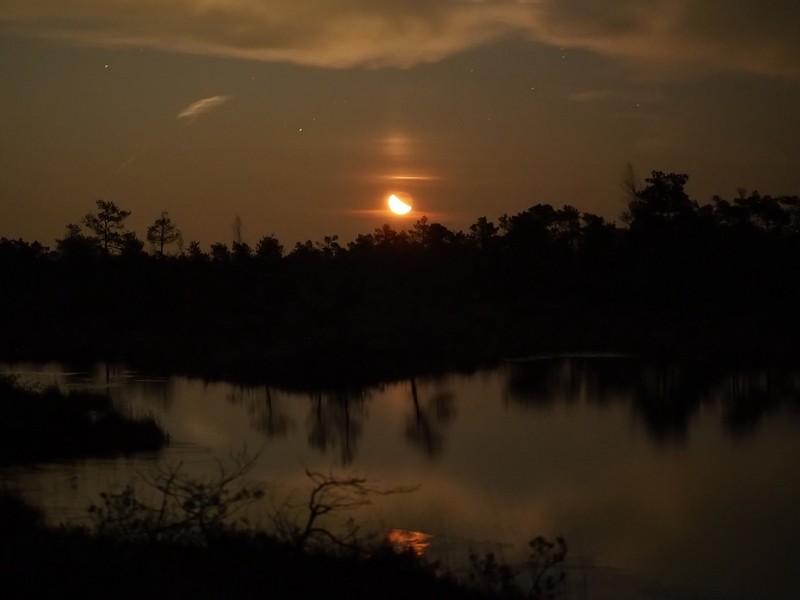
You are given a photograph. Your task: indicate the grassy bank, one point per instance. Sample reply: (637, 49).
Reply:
(41, 425)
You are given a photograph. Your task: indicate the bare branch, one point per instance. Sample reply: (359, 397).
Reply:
(330, 494)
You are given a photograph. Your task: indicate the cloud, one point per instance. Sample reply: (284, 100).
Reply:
(681, 35)
(195, 109)
(658, 34)
(324, 33)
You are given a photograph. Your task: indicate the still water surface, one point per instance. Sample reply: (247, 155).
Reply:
(666, 482)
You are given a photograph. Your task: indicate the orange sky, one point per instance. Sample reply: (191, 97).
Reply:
(303, 117)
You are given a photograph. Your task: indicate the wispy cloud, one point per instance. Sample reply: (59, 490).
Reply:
(670, 35)
(590, 95)
(195, 109)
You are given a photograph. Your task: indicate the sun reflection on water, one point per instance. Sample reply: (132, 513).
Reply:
(405, 540)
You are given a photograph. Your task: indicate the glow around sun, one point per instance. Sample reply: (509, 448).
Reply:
(397, 206)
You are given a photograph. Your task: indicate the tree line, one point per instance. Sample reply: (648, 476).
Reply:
(674, 276)
(657, 209)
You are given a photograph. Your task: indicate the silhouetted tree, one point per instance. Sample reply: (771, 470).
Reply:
(131, 245)
(731, 215)
(419, 232)
(567, 225)
(220, 252)
(241, 252)
(75, 244)
(195, 253)
(330, 247)
(20, 249)
(764, 211)
(108, 225)
(363, 242)
(595, 227)
(531, 234)
(429, 235)
(483, 232)
(162, 233)
(662, 199)
(237, 229)
(534, 223)
(269, 248)
(386, 235)
(305, 252)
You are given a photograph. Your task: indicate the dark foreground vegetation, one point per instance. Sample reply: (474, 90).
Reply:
(676, 277)
(48, 425)
(42, 563)
(184, 544)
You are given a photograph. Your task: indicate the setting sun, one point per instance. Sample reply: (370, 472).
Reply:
(397, 206)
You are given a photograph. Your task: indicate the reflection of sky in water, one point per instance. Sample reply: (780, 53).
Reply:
(497, 462)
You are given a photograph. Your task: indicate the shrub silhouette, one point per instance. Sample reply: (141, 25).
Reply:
(543, 570)
(186, 510)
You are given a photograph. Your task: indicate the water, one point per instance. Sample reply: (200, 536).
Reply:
(667, 482)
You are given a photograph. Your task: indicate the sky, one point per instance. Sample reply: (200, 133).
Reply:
(301, 118)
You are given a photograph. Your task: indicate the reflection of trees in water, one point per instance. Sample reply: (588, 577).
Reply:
(266, 414)
(335, 419)
(547, 382)
(744, 395)
(665, 396)
(424, 426)
(158, 391)
(748, 396)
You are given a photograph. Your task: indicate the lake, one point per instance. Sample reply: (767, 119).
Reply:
(667, 481)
